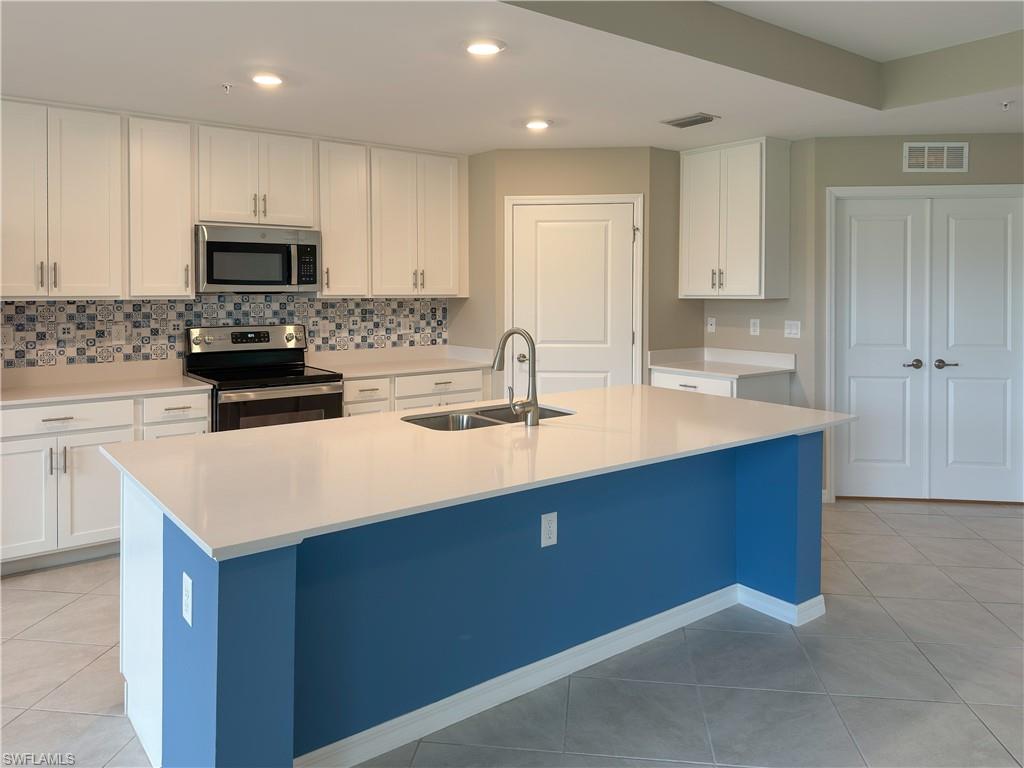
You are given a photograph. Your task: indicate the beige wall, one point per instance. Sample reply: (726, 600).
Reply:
(817, 164)
(480, 319)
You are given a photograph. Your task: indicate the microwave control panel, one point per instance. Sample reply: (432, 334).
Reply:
(307, 265)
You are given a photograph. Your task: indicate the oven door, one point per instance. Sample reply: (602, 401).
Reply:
(243, 409)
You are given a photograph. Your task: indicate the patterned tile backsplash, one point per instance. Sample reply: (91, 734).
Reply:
(38, 333)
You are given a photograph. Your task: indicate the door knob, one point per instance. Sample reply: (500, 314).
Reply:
(915, 364)
(521, 357)
(940, 364)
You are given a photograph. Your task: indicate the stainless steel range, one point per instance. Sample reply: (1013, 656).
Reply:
(260, 377)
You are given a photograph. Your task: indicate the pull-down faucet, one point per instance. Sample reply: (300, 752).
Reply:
(529, 406)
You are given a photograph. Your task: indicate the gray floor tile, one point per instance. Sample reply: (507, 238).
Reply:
(1004, 528)
(852, 616)
(945, 621)
(92, 739)
(884, 668)
(920, 734)
(838, 579)
(9, 713)
(458, 756)
(112, 587)
(396, 758)
(827, 553)
(964, 552)
(21, 608)
(939, 526)
(663, 660)
(1014, 549)
(748, 660)
(900, 580)
(132, 756)
(1010, 614)
(96, 690)
(772, 728)
(1007, 723)
(843, 521)
(624, 718)
(857, 547)
(981, 674)
(845, 504)
(881, 506)
(990, 585)
(967, 509)
(90, 619)
(80, 577)
(739, 618)
(535, 720)
(32, 669)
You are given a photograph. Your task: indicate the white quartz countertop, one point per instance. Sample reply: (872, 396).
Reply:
(371, 369)
(241, 492)
(66, 392)
(720, 370)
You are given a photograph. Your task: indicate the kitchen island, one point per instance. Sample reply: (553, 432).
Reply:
(327, 591)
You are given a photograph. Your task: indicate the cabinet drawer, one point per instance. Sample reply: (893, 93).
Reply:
(367, 389)
(175, 408)
(686, 383)
(434, 383)
(361, 409)
(62, 418)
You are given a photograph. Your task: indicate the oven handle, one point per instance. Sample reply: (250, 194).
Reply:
(276, 393)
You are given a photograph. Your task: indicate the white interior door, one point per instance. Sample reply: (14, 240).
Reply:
(572, 289)
(881, 282)
(977, 419)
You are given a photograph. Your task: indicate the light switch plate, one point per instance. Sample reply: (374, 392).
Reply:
(755, 326)
(549, 529)
(712, 325)
(792, 329)
(186, 598)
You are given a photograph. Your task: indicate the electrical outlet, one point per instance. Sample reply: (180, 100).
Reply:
(792, 329)
(186, 598)
(712, 325)
(117, 334)
(755, 326)
(549, 529)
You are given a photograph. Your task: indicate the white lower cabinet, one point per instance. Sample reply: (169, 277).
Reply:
(158, 431)
(363, 408)
(768, 388)
(88, 488)
(28, 496)
(411, 391)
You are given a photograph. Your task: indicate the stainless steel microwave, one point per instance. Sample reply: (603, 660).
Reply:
(257, 260)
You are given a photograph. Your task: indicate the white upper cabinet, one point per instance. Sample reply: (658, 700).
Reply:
(228, 175)
(24, 266)
(160, 205)
(734, 228)
(286, 181)
(85, 208)
(251, 178)
(344, 219)
(415, 216)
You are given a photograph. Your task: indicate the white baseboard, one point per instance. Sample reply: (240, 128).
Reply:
(424, 721)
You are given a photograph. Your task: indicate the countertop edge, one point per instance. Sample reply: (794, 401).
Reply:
(682, 368)
(142, 391)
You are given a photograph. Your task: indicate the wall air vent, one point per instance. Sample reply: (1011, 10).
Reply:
(935, 157)
(698, 118)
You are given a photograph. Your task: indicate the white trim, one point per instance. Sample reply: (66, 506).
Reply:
(780, 609)
(637, 201)
(426, 720)
(832, 197)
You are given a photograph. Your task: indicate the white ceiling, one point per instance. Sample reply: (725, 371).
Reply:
(888, 29)
(397, 73)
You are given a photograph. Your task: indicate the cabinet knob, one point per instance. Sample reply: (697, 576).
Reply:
(289, 337)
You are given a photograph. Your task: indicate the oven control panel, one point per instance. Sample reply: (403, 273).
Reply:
(234, 338)
(307, 265)
(250, 337)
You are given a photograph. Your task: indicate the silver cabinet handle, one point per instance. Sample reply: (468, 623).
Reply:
(254, 213)
(264, 203)
(186, 275)
(370, 389)
(414, 279)
(327, 277)
(51, 460)
(65, 459)
(42, 274)
(179, 408)
(721, 278)
(57, 418)
(940, 364)
(714, 274)
(422, 278)
(442, 383)
(688, 386)
(915, 364)
(55, 274)
(521, 357)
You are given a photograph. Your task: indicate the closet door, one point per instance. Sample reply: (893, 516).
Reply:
(977, 330)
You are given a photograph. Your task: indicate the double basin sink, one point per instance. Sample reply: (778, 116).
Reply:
(492, 416)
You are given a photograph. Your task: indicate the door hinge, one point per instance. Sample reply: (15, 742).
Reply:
(636, 229)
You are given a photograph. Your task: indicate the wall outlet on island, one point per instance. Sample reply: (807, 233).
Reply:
(755, 326)
(549, 529)
(186, 598)
(712, 325)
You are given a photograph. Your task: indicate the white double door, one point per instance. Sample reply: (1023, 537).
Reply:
(929, 333)
(572, 289)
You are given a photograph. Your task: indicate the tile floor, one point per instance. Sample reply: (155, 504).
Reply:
(918, 662)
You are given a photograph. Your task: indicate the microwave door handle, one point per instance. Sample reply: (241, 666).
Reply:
(295, 265)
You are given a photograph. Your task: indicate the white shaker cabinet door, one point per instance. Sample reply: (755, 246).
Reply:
(228, 175)
(160, 431)
(393, 186)
(286, 180)
(28, 491)
(361, 409)
(89, 488)
(23, 230)
(84, 203)
(699, 228)
(741, 221)
(160, 184)
(438, 181)
(344, 219)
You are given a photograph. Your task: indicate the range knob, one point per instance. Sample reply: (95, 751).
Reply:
(208, 339)
(289, 336)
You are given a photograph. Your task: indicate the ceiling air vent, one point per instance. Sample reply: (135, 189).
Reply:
(689, 121)
(935, 157)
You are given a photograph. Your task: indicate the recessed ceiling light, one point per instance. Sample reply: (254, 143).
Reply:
(486, 47)
(267, 80)
(538, 125)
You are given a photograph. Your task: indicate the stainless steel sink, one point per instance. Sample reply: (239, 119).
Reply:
(506, 415)
(458, 421)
